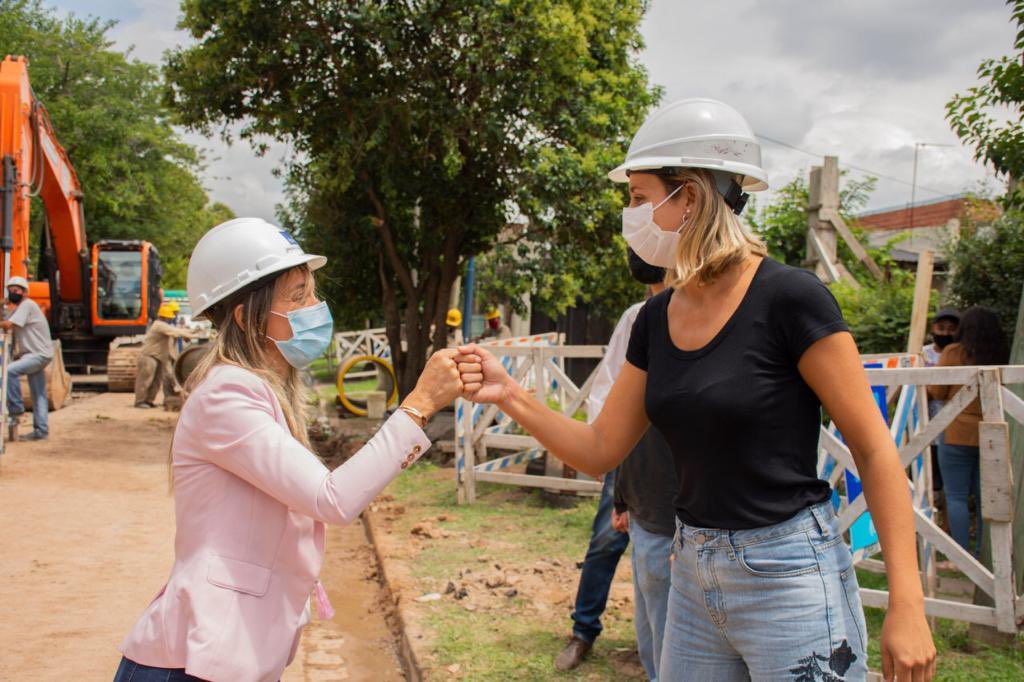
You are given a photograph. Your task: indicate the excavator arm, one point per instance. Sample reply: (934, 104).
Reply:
(34, 163)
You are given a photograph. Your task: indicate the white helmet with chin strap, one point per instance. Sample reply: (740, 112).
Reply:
(237, 253)
(699, 133)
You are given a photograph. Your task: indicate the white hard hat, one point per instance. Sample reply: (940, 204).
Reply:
(237, 253)
(697, 133)
(18, 282)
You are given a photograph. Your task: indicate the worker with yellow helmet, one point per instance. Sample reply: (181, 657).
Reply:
(155, 366)
(496, 329)
(454, 324)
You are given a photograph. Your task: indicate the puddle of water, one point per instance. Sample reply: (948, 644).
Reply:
(358, 643)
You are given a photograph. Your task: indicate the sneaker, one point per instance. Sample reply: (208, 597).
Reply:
(33, 436)
(144, 406)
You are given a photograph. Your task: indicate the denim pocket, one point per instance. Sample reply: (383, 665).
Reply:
(854, 608)
(784, 557)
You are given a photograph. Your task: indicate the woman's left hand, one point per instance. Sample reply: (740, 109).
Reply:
(908, 652)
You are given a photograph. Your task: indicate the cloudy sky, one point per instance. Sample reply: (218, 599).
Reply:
(862, 80)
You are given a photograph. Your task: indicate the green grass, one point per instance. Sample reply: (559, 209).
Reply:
(514, 526)
(960, 658)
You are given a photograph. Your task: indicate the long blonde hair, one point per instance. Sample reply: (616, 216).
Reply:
(714, 238)
(245, 346)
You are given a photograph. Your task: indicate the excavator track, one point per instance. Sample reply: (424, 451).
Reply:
(121, 364)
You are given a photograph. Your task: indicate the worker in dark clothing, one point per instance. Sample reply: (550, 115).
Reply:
(651, 497)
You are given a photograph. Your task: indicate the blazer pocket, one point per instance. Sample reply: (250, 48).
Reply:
(240, 576)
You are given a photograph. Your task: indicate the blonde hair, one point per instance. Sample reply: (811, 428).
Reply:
(714, 238)
(245, 346)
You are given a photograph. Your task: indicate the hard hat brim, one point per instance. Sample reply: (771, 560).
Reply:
(287, 263)
(752, 175)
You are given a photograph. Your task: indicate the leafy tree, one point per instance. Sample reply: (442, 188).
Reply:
(878, 313)
(138, 177)
(988, 116)
(422, 130)
(558, 277)
(987, 262)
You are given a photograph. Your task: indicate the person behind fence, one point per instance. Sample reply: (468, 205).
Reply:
(733, 363)
(453, 323)
(251, 498)
(979, 340)
(944, 328)
(645, 488)
(155, 367)
(33, 351)
(496, 329)
(610, 534)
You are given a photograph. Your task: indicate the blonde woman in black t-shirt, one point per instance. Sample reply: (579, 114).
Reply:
(732, 364)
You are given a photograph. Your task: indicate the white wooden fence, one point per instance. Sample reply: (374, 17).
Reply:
(914, 433)
(358, 342)
(481, 427)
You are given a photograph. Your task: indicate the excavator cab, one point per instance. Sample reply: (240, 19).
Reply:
(125, 287)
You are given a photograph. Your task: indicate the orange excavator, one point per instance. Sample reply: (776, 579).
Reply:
(93, 296)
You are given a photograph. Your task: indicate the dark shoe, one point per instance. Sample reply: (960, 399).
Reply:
(572, 655)
(33, 436)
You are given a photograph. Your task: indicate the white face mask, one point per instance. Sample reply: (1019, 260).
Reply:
(654, 245)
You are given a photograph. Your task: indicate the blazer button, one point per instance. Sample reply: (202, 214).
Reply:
(416, 449)
(410, 459)
(405, 465)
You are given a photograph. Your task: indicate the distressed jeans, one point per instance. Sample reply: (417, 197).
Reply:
(774, 603)
(32, 366)
(603, 554)
(652, 580)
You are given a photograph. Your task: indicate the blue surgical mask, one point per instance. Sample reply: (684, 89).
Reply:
(312, 328)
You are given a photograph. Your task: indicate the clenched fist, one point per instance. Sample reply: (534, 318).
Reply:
(438, 385)
(484, 378)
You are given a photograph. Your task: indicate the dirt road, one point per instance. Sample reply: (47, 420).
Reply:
(87, 531)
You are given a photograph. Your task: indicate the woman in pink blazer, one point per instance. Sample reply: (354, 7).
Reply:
(251, 499)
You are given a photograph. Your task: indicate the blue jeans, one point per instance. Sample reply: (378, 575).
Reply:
(130, 671)
(31, 366)
(774, 603)
(603, 554)
(652, 580)
(960, 479)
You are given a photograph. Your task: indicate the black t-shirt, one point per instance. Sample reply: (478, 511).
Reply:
(740, 420)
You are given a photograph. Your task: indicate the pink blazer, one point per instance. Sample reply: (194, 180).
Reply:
(250, 506)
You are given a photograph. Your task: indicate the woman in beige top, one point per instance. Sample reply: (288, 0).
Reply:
(979, 341)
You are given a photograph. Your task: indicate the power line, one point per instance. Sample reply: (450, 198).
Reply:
(850, 165)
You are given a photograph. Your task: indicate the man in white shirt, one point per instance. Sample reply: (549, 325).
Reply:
(33, 351)
(609, 538)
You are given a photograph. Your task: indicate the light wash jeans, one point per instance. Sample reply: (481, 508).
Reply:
(31, 366)
(960, 465)
(652, 580)
(773, 603)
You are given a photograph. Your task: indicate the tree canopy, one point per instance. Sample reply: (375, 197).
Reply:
(424, 131)
(139, 178)
(988, 116)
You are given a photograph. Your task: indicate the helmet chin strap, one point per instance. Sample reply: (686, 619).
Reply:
(735, 197)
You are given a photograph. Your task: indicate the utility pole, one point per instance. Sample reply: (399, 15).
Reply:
(913, 183)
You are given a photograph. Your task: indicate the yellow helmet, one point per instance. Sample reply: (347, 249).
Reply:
(454, 318)
(175, 306)
(492, 314)
(165, 311)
